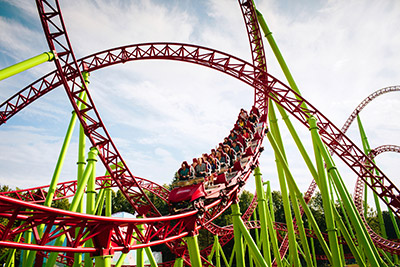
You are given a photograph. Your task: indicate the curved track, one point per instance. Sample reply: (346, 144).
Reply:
(385, 244)
(104, 230)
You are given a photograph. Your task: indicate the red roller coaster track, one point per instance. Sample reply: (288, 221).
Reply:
(159, 229)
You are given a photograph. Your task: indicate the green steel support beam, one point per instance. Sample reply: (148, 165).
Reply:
(139, 252)
(214, 250)
(237, 236)
(249, 240)
(349, 239)
(313, 251)
(194, 251)
(90, 209)
(326, 201)
(26, 64)
(178, 262)
(56, 175)
(277, 53)
(295, 205)
(274, 129)
(75, 202)
(262, 210)
(10, 262)
(100, 202)
(257, 234)
(82, 144)
(150, 256)
(270, 216)
(80, 169)
(362, 235)
(367, 150)
(103, 261)
(221, 251)
(299, 195)
(26, 259)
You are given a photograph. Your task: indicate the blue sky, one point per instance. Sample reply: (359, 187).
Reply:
(160, 113)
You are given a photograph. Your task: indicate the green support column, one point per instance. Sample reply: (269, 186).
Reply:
(367, 150)
(90, 209)
(361, 232)
(103, 261)
(274, 130)
(326, 201)
(26, 64)
(262, 207)
(349, 239)
(56, 175)
(10, 262)
(270, 216)
(299, 195)
(217, 254)
(249, 239)
(239, 249)
(293, 199)
(194, 251)
(81, 168)
(26, 253)
(178, 262)
(139, 252)
(75, 202)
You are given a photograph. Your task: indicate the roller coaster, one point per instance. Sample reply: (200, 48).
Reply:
(49, 236)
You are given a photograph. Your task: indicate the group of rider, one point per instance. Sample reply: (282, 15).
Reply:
(221, 159)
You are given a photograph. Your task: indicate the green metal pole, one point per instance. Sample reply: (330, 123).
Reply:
(178, 262)
(257, 233)
(100, 202)
(243, 231)
(103, 261)
(367, 150)
(82, 144)
(56, 175)
(361, 232)
(90, 209)
(139, 252)
(327, 204)
(26, 259)
(81, 168)
(313, 251)
(26, 64)
(294, 259)
(262, 206)
(270, 216)
(237, 235)
(277, 52)
(295, 205)
(10, 262)
(223, 254)
(194, 251)
(299, 195)
(75, 202)
(217, 254)
(348, 238)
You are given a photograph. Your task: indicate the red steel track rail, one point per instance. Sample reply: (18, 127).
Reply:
(385, 244)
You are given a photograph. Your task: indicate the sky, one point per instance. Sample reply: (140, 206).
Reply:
(160, 113)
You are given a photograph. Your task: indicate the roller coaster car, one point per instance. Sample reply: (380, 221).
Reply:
(186, 195)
